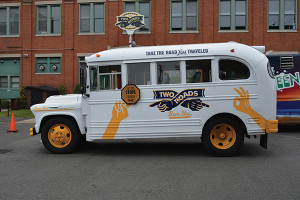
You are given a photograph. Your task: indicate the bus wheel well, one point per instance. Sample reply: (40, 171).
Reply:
(229, 116)
(45, 119)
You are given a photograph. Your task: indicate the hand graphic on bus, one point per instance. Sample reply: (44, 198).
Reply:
(119, 113)
(164, 105)
(194, 104)
(244, 104)
(245, 107)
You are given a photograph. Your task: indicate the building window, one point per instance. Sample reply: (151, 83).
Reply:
(9, 81)
(184, 15)
(282, 15)
(15, 81)
(48, 19)
(233, 14)
(91, 18)
(3, 81)
(48, 65)
(142, 7)
(9, 21)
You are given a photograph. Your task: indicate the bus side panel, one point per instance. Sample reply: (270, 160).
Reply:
(155, 115)
(227, 91)
(159, 114)
(288, 90)
(103, 114)
(267, 92)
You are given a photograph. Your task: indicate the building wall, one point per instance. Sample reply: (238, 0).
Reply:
(70, 43)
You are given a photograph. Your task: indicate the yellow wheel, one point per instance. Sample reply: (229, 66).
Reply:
(223, 136)
(59, 135)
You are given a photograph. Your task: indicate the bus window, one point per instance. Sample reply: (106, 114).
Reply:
(168, 72)
(93, 78)
(233, 70)
(110, 77)
(139, 73)
(198, 71)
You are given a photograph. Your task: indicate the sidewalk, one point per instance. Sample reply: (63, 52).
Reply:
(18, 120)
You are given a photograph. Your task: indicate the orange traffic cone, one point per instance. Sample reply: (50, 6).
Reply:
(12, 126)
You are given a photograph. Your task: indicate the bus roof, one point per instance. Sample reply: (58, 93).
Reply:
(252, 55)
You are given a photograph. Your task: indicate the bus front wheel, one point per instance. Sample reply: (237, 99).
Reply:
(60, 135)
(223, 136)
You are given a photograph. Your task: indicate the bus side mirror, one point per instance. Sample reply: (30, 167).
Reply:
(83, 80)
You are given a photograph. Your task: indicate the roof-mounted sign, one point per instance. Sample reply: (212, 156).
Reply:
(130, 21)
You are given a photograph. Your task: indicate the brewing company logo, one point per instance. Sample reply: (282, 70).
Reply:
(187, 98)
(130, 94)
(130, 21)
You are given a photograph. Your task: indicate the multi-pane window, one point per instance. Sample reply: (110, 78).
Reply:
(141, 7)
(9, 81)
(282, 14)
(9, 20)
(3, 81)
(233, 14)
(48, 19)
(48, 65)
(91, 18)
(15, 82)
(110, 77)
(184, 15)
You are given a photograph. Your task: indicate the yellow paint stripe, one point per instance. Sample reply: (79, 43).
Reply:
(179, 117)
(63, 102)
(51, 110)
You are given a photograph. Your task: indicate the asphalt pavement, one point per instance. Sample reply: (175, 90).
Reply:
(147, 169)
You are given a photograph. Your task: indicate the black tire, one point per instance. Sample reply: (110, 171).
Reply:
(60, 135)
(223, 136)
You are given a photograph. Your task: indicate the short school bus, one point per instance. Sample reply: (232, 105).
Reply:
(217, 92)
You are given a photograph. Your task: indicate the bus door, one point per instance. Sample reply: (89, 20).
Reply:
(105, 87)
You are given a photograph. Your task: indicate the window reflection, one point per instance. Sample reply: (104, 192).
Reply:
(168, 73)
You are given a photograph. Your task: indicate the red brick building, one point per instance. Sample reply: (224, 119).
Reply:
(43, 42)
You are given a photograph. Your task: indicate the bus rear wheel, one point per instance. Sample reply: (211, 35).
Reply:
(223, 137)
(60, 135)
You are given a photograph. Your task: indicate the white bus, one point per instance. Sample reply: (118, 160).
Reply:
(220, 93)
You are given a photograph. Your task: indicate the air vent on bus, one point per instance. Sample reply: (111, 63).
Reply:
(286, 62)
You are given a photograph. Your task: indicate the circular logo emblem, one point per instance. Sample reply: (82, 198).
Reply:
(130, 94)
(130, 21)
